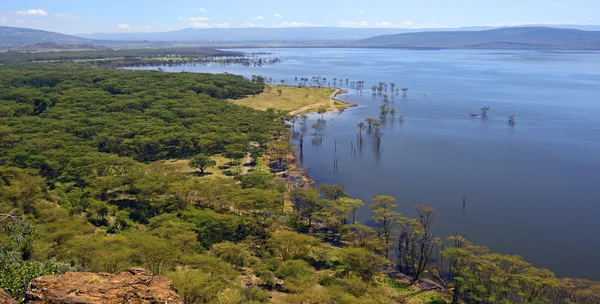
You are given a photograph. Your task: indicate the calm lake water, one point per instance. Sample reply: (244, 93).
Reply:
(532, 188)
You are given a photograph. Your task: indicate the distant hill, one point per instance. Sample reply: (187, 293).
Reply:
(217, 35)
(11, 37)
(539, 38)
(258, 34)
(51, 46)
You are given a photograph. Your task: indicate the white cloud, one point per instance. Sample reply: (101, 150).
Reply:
(124, 26)
(353, 24)
(520, 23)
(199, 25)
(297, 24)
(224, 24)
(361, 11)
(147, 27)
(590, 18)
(382, 24)
(198, 19)
(66, 16)
(37, 12)
(201, 22)
(180, 18)
(208, 25)
(277, 16)
(248, 24)
(202, 10)
(4, 19)
(258, 17)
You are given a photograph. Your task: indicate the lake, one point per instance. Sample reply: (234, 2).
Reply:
(532, 188)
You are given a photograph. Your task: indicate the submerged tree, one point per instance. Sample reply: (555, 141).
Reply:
(361, 128)
(378, 135)
(484, 111)
(322, 111)
(317, 127)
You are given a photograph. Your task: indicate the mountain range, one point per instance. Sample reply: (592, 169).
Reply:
(473, 37)
(505, 38)
(11, 37)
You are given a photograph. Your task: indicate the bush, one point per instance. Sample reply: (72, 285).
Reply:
(195, 286)
(237, 255)
(15, 277)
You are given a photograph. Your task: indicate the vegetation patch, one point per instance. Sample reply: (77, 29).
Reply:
(287, 98)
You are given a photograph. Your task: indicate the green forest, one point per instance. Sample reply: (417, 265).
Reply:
(84, 187)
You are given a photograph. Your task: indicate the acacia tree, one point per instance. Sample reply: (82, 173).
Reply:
(353, 204)
(293, 120)
(317, 127)
(484, 111)
(333, 192)
(361, 128)
(322, 111)
(305, 202)
(202, 162)
(378, 135)
(382, 208)
(416, 241)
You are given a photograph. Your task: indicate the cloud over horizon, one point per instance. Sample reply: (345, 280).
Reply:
(32, 12)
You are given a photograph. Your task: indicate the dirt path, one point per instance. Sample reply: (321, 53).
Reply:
(247, 160)
(328, 103)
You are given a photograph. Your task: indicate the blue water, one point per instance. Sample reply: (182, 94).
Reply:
(532, 188)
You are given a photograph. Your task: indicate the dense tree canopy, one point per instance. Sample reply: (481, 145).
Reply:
(84, 187)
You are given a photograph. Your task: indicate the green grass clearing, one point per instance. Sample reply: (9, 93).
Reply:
(221, 170)
(292, 98)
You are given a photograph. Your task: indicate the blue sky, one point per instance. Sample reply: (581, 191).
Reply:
(88, 16)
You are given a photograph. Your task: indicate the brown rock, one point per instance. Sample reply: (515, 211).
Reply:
(134, 286)
(6, 298)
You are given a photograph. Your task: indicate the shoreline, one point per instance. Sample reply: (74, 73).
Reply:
(330, 104)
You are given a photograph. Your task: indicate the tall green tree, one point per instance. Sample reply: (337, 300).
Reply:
(202, 162)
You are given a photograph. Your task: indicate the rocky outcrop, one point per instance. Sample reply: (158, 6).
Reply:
(6, 298)
(134, 286)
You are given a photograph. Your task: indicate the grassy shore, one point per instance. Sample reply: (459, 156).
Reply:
(294, 99)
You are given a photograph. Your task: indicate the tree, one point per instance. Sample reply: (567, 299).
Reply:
(157, 254)
(333, 192)
(378, 135)
(238, 255)
(416, 241)
(322, 111)
(293, 120)
(484, 111)
(353, 204)
(202, 162)
(382, 208)
(289, 245)
(361, 128)
(317, 127)
(305, 202)
(360, 262)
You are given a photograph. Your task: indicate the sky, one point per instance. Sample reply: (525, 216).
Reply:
(113, 16)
